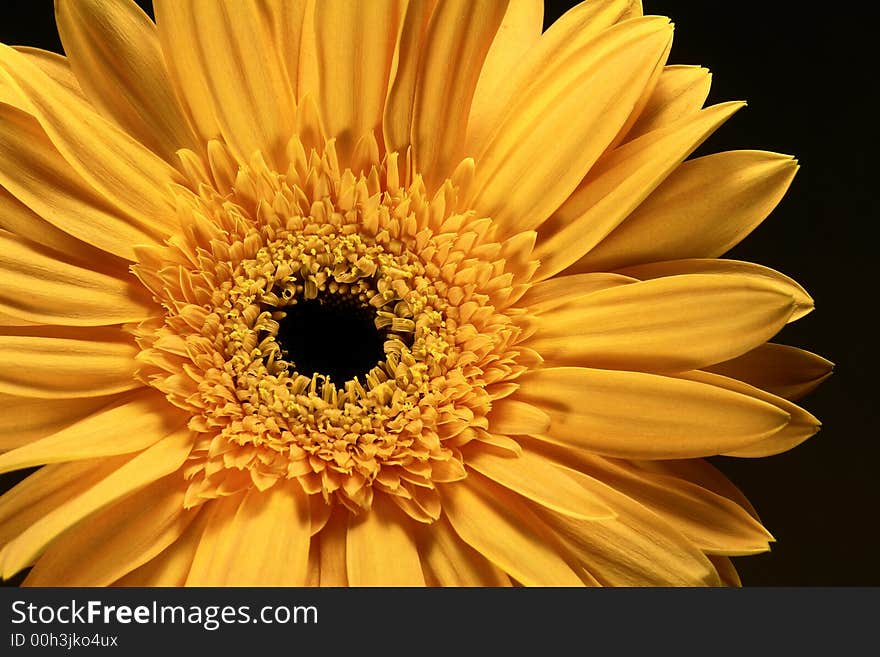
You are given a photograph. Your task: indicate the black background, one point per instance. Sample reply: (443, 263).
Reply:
(798, 70)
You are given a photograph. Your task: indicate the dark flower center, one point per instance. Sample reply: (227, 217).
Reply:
(333, 335)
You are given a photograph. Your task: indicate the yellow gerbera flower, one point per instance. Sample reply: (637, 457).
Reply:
(380, 293)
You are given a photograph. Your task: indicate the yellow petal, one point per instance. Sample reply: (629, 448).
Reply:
(647, 92)
(802, 300)
(18, 218)
(713, 523)
(9, 320)
(726, 571)
(396, 563)
(637, 548)
(638, 415)
(175, 25)
(459, 36)
(319, 513)
(703, 474)
(24, 419)
(448, 561)
(117, 540)
(785, 371)
(130, 424)
(313, 578)
(331, 548)
(706, 207)
(617, 184)
(307, 78)
(565, 290)
(355, 42)
(233, 71)
(801, 426)
(54, 65)
(161, 459)
(259, 539)
(93, 363)
(35, 173)
(39, 287)
(171, 566)
(114, 50)
(680, 92)
(554, 132)
(501, 83)
(505, 531)
(670, 324)
(519, 32)
(516, 418)
(127, 173)
(398, 114)
(536, 478)
(287, 18)
(48, 488)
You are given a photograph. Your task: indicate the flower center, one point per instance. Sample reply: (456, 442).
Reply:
(343, 329)
(333, 335)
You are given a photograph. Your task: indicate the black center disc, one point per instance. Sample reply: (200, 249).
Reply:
(333, 336)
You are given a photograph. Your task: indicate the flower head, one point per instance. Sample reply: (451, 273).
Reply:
(376, 293)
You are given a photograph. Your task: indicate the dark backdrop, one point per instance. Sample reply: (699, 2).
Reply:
(820, 500)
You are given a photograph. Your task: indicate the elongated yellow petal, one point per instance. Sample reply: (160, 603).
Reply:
(398, 114)
(175, 23)
(564, 290)
(680, 92)
(670, 324)
(637, 548)
(114, 50)
(802, 300)
(38, 286)
(233, 73)
(459, 36)
(536, 478)
(18, 218)
(519, 32)
(35, 173)
(449, 561)
(726, 570)
(615, 187)
(801, 426)
(54, 65)
(171, 566)
(638, 415)
(355, 41)
(161, 459)
(48, 488)
(287, 20)
(93, 365)
(130, 424)
(259, 539)
(785, 371)
(117, 540)
(307, 78)
(516, 418)
(706, 207)
(712, 522)
(506, 532)
(24, 419)
(331, 549)
(10, 320)
(703, 474)
(562, 122)
(499, 88)
(127, 173)
(396, 563)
